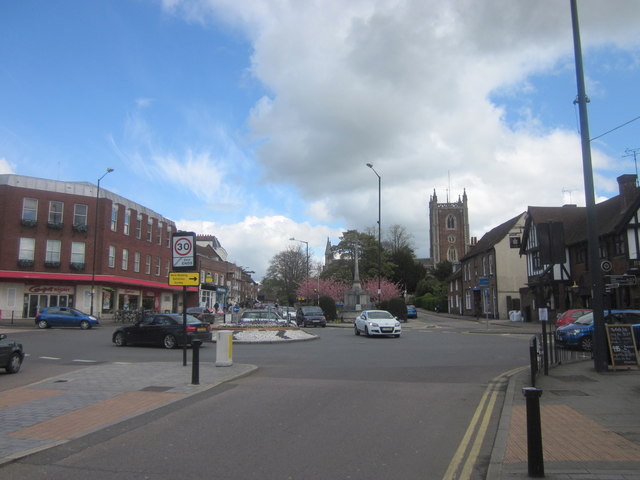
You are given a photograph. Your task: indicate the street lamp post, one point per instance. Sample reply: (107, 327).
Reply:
(95, 241)
(370, 165)
(307, 244)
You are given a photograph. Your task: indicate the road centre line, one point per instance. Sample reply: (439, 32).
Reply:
(488, 399)
(49, 358)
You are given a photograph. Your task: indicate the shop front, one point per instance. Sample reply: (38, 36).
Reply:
(42, 296)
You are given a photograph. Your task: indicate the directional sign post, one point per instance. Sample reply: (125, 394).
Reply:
(184, 278)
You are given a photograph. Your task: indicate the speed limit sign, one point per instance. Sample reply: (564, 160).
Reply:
(183, 251)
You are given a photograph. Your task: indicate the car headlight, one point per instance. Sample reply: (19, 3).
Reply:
(373, 324)
(92, 317)
(397, 324)
(575, 331)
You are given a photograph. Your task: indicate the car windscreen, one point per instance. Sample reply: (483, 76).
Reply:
(374, 315)
(312, 310)
(585, 319)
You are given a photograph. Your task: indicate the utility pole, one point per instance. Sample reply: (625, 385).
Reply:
(597, 286)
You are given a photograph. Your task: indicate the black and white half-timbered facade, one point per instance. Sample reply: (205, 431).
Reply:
(555, 244)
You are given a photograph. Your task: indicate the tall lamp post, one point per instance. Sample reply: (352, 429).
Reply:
(370, 165)
(95, 241)
(307, 244)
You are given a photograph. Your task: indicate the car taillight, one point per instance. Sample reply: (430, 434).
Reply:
(191, 329)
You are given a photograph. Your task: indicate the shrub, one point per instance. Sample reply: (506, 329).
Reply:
(397, 308)
(328, 306)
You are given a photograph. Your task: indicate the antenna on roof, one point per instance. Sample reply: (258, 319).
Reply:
(632, 152)
(567, 190)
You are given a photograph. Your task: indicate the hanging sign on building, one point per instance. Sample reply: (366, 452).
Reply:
(183, 251)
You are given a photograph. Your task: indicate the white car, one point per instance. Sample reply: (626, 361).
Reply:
(377, 322)
(289, 313)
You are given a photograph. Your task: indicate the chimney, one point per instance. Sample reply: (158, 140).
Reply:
(627, 188)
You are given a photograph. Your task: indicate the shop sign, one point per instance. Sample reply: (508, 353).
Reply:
(129, 291)
(50, 289)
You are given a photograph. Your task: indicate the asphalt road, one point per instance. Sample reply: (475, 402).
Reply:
(341, 407)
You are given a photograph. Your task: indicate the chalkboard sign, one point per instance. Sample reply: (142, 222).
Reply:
(622, 346)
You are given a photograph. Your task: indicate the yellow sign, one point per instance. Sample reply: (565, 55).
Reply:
(184, 278)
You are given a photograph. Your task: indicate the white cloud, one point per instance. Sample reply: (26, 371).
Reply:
(253, 242)
(406, 85)
(6, 167)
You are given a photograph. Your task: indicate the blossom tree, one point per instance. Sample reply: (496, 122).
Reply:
(388, 289)
(313, 288)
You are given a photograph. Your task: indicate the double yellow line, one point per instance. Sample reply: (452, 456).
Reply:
(482, 416)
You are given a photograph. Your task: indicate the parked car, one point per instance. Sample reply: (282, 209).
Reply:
(377, 322)
(310, 315)
(65, 317)
(164, 329)
(580, 333)
(204, 314)
(570, 316)
(262, 317)
(411, 311)
(289, 313)
(11, 354)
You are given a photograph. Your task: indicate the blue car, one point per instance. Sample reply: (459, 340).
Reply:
(580, 333)
(411, 311)
(65, 317)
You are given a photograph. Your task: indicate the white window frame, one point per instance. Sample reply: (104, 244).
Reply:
(78, 252)
(112, 256)
(56, 216)
(125, 259)
(30, 209)
(52, 254)
(27, 249)
(136, 262)
(114, 217)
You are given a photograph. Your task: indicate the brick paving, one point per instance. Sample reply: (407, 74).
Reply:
(59, 409)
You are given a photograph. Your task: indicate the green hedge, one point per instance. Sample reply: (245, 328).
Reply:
(429, 301)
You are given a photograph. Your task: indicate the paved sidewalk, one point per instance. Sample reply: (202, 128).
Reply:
(56, 410)
(590, 425)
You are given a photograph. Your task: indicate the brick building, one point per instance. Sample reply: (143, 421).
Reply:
(48, 237)
(449, 229)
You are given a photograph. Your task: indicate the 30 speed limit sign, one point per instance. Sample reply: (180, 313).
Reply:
(183, 251)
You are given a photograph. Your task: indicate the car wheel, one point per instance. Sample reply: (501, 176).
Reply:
(586, 344)
(119, 339)
(43, 324)
(366, 331)
(14, 363)
(169, 341)
(85, 325)
(355, 330)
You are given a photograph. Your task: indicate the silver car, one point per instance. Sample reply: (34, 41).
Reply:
(377, 322)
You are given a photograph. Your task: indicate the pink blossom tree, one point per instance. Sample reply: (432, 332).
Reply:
(388, 289)
(312, 288)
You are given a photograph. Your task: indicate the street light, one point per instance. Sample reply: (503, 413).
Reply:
(370, 165)
(95, 241)
(307, 244)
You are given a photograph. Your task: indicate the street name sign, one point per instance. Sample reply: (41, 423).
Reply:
(184, 278)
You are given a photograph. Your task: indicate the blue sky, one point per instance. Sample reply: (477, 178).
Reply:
(254, 120)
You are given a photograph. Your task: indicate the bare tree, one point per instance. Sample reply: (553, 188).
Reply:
(287, 269)
(398, 239)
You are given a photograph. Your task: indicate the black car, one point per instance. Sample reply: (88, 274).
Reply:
(310, 315)
(11, 354)
(162, 329)
(204, 314)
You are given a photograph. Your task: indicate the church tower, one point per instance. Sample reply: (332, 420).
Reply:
(448, 229)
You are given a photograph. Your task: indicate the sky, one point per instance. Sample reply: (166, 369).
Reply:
(253, 120)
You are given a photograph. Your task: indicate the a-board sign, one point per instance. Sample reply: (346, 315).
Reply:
(622, 346)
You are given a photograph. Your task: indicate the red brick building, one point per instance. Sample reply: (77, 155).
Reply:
(48, 237)
(448, 229)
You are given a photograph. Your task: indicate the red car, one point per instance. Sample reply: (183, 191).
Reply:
(571, 316)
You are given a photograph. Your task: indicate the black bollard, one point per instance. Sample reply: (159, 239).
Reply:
(534, 432)
(195, 363)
